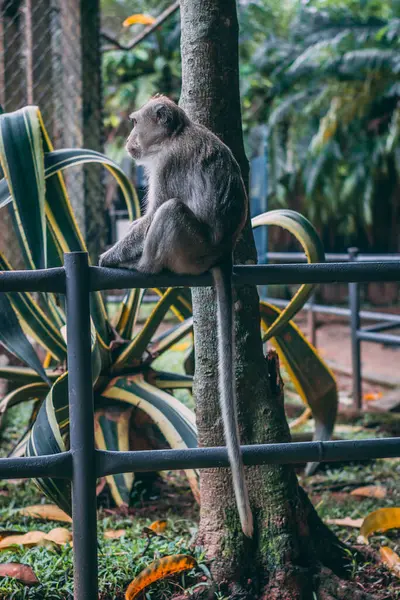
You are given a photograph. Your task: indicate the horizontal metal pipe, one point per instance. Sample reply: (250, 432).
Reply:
(368, 315)
(54, 465)
(331, 257)
(109, 463)
(382, 326)
(105, 279)
(40, 280)
(381, 338)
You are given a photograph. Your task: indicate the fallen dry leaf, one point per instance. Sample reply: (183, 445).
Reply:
(47, 512)
(346, 522)
(6, 532)
(391, 559)
(378, 521)
(22, 573)
(370, 491)
(59, 536)
(159, 526)
(159, 569)
(138, 18)
(114, 534)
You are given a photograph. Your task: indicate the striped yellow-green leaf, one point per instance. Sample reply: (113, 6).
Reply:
(34, 321)
(22, 161)
(170, 381)
(50, 432)
(25, 393)
(170, 337)
(128, 313)
(305, 233)
(112, 433)
(314, 381)
(26, 375)
(22, 133)
(175, 421)
(133, 352)
(14, 339)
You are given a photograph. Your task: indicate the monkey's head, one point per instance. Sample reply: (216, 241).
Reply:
(159, 120)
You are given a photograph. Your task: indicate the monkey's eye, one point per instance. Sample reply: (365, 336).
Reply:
(133, 121)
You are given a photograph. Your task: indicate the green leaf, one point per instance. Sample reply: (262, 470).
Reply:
(14, 339)
(305, 233)
(112, 433)
(175, 421)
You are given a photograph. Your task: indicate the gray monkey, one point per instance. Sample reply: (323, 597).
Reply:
(196, 209)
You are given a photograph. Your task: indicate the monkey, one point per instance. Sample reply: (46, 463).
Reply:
(196, 208)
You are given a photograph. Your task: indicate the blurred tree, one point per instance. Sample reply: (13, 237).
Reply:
(333, 109)
(323, 74)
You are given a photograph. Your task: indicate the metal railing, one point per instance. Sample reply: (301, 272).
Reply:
(83, 463)
(370, 333)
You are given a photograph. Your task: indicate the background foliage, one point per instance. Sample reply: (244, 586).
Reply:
(323, 75)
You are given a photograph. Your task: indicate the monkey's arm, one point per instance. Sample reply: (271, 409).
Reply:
(128, 251)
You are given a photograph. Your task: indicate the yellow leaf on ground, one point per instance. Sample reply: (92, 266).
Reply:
(114, 534)
(346, 522)
(159, 526)
(6, 532)
(380, 520)
(391, 559)
(47, 512)
(22, 573)
(138, 18)
(370, 491)
(159, 569)
(59, 536)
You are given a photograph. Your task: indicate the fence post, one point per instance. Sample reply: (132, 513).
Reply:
(81, 426)
(354, 305)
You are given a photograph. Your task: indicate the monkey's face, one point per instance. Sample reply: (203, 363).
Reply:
(153, 125)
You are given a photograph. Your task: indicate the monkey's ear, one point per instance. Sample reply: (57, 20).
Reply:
(162, 114)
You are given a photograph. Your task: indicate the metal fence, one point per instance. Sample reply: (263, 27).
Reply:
(369, 333)
(83, 463)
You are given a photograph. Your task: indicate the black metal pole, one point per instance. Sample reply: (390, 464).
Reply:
(354, 304)
(81, 427)
(258, 454)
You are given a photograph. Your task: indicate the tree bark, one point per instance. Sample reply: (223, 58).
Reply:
(282, 560)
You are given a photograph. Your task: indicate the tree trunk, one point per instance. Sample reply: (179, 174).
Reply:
(290, 542)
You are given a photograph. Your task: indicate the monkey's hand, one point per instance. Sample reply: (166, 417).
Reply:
(127, 252)
(110, 258)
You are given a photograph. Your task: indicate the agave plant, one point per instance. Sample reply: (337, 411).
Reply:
(135, 406)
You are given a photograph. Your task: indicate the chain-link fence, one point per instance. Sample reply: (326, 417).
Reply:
(50, 57)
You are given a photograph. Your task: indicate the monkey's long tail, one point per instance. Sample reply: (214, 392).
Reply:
(227, 392)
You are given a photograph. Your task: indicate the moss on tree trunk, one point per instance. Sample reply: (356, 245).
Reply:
(290, 543)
